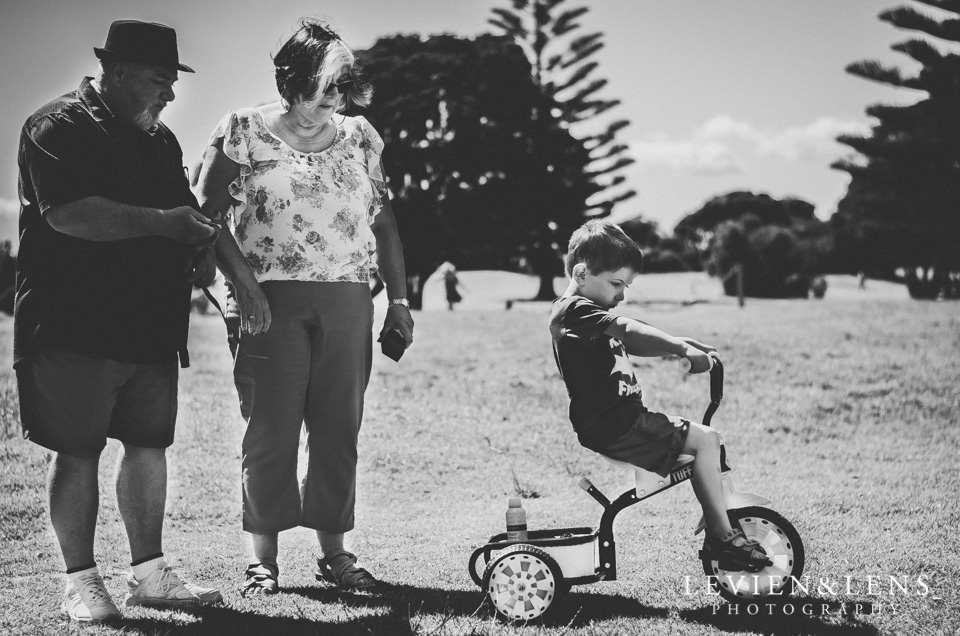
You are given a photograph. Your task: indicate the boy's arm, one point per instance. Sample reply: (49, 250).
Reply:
(641, 339)
(690, 341)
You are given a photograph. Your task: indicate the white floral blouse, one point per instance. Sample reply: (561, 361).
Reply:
(304, 215)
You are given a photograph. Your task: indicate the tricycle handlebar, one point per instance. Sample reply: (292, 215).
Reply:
(716, 388)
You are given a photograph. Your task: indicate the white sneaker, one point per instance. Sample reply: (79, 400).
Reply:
(161, 588)
(88, 601)
(207, 595)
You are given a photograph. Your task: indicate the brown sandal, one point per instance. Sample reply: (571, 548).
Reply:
(260, 578)
(340, 568)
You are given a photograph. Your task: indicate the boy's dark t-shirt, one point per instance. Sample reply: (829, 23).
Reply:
(605, 398)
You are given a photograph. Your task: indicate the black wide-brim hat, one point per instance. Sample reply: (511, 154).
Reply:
(143, 42)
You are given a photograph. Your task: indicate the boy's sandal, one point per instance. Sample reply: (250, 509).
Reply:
(340, 568)
(260, 578)
(732, 555)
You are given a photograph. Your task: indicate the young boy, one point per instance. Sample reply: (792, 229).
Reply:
(591, 347)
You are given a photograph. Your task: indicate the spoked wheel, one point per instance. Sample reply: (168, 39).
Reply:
(779, 539)
(522, 583)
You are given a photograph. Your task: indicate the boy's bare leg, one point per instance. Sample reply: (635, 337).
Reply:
(703, 443)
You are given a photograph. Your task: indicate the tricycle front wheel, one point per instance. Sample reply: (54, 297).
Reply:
(522, 583)
(779, 539)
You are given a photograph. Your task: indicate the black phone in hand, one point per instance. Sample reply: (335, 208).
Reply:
(393, 345)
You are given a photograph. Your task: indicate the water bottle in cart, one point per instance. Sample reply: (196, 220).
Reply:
(516, 521)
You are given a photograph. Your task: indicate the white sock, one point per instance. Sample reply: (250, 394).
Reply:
(73, 576)
(143, 570)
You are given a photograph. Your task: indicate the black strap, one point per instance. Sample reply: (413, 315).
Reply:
(213, 301)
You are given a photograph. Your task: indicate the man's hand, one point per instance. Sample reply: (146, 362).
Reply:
(399, 318)
(203, 267)
(187, 226)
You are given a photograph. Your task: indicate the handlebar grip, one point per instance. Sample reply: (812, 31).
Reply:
(685, 363)
(585, 484)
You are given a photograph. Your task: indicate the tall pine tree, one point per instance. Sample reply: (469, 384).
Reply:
(455, 147)
(566, 181)
(905, 183)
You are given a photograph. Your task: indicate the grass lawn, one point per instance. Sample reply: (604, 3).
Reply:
(843, 411)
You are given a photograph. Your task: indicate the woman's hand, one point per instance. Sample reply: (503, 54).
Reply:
(399, 318)
(254, 309)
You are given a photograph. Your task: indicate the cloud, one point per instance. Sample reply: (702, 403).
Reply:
(815, 142)
(724, 145)
(701, 156)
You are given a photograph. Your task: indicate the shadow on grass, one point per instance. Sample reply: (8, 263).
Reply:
(399, 609)
(797, 615)
(407, 610)
(406, 601)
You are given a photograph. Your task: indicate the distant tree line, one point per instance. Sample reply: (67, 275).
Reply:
(780, 246)
(900, 218)
(487, 173)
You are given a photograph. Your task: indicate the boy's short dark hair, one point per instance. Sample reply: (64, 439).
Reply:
(603, 247)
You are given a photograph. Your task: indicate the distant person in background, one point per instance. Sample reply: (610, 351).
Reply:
(310, 223)
(451, 284)
(110, 238)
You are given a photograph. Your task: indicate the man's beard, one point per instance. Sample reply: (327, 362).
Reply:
(147, 119)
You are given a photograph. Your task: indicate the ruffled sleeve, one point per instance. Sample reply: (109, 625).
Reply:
(234, 129)
(372, 146)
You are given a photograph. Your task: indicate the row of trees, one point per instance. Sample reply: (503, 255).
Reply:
(487, 172)
(900, 219)
(779, 245)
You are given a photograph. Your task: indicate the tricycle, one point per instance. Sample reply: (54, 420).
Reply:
(524, 580)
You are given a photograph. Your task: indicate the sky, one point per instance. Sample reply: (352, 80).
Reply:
(721, 95)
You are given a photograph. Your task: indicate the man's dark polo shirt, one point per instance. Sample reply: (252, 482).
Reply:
(126, 300)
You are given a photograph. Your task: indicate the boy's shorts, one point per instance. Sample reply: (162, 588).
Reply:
(71, 403)
(653, 442)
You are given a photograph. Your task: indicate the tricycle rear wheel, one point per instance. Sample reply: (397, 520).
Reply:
(522, 583)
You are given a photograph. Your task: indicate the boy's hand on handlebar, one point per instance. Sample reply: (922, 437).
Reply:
(699, 360)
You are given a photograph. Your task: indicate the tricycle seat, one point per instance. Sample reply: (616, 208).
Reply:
(648, 482)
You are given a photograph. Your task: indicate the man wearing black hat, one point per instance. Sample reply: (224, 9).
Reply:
(110, 240)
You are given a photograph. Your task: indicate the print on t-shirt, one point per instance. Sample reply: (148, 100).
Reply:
(627, 383)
